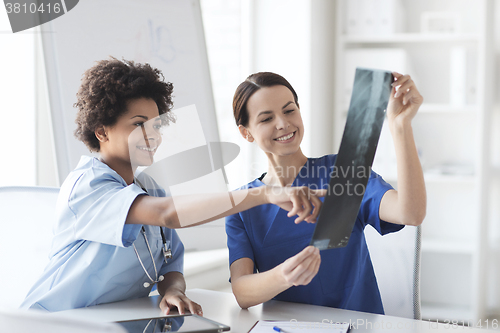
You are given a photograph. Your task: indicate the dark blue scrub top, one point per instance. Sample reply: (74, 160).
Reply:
(346, 278)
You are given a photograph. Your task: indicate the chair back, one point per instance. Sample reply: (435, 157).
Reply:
(396, 261)
(27, 215)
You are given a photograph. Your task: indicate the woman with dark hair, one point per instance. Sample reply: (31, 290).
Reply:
(113, 237)
(269, 257)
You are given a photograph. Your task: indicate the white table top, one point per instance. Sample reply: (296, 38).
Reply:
(222, 307)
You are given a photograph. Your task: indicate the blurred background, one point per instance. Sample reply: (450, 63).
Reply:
(451, 48)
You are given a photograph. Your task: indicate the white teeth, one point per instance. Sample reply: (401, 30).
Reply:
(147, 149)
(284, 138)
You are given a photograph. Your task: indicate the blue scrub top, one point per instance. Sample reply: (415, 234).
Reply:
(92, 260)
(345, 278)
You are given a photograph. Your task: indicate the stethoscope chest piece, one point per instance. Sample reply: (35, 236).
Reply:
(147, 284)
(167, 253)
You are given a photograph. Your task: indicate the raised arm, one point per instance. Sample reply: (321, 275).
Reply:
(184, 211)
(408, 204)
(251, 289)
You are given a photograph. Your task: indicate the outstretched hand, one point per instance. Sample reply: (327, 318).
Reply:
(301, 201)
(405, 99)
(175, 298)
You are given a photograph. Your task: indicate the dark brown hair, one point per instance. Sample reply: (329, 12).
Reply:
(108, 86)
(248, 87)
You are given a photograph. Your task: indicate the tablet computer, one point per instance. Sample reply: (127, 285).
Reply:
(187, 323)
(350, 174)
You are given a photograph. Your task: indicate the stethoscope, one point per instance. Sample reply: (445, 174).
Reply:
(167, 253)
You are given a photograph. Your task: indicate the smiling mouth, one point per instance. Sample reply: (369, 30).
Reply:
(151, 150)
(286, 137)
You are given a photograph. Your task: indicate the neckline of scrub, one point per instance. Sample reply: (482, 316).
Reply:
(259, 179)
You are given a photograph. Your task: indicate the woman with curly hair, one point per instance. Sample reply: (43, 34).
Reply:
(113, 238)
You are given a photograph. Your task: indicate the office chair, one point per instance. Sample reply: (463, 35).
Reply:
(20, 321)
(396, 261)
(26, 217)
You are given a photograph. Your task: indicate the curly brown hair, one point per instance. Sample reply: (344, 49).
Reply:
(108, 86)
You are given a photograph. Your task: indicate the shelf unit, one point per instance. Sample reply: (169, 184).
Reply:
(407, 38)
(455, 232)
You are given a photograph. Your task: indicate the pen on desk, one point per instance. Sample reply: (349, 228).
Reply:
(277, 329)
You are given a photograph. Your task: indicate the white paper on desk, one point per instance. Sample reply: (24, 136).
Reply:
(264, 326)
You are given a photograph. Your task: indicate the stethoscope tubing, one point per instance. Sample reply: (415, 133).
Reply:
(167, 253)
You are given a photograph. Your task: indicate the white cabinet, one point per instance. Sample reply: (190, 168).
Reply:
(452, 71)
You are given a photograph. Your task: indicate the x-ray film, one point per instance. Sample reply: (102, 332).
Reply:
(370, 96)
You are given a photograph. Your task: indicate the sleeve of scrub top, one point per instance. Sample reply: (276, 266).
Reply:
(176, 263)
(369, 210)
(100, 201)
(238, 241)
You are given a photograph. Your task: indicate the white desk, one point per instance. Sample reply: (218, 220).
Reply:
(222, 307)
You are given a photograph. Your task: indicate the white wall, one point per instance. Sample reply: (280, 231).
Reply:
(46, 170)
(294, 38)
(494, 236)
(17, 105)
(281, 44)
(223, 24)
(322, 80)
